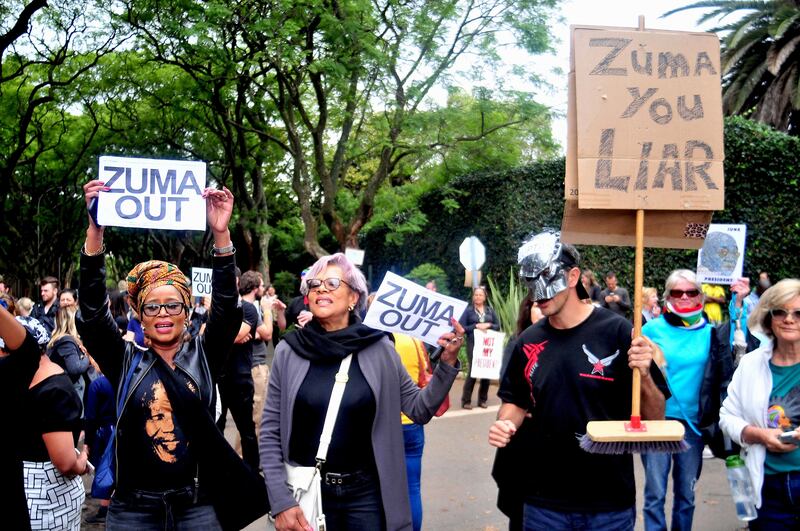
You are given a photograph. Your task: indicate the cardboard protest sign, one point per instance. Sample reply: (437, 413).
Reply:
(408, 308)
(487, 354)
(201, 281)
(152, 193)
(721, 259)
(669, 229)
(647, 111)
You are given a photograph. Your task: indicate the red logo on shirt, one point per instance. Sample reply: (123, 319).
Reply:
(532, 351)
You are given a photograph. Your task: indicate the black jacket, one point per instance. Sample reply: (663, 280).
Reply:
(200, 359)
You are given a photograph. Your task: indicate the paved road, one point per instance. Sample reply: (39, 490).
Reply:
(459, 493)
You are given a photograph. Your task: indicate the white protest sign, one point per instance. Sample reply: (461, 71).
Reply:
(403, 306)
(721, 259)
(201, 281)
(152, 193)
(355, 255)
(487, 354)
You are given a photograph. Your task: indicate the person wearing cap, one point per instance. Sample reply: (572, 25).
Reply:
(573, 366)
(172, 464)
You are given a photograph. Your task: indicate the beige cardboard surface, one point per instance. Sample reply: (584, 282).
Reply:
(647, 126)
(684, 229)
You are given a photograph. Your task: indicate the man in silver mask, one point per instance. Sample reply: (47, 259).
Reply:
(545, 263)
(569, 368)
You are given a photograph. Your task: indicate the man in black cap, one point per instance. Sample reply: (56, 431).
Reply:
(565, 370)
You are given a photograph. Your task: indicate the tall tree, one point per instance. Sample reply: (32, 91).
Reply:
(760, 58)
(335, 87)
(47, 50)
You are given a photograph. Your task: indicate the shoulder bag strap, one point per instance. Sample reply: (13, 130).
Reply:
(333, 409)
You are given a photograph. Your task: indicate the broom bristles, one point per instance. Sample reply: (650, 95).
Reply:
(631, 447)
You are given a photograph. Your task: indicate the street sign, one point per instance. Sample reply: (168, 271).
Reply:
(472, 253)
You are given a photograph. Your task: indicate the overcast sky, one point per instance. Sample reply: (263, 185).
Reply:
(622, 13)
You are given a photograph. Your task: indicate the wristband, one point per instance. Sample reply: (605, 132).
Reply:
(217, 251)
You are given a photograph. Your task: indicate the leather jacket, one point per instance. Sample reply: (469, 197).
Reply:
(200, 359)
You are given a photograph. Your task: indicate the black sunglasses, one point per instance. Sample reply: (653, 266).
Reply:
(678, 293)
(780, 313)
(331, 284)
(151, 309)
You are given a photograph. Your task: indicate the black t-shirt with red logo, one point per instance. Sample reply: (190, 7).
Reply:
(567, 378)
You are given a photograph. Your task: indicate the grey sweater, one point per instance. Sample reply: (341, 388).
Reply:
(394, 392)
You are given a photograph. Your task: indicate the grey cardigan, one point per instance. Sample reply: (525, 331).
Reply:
(394, 392)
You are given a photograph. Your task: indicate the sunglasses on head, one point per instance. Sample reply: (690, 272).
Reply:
(678, 293)
(151, 309)
(780, 313)
(331, 284)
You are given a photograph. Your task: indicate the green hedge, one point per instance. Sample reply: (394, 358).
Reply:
(501, 208)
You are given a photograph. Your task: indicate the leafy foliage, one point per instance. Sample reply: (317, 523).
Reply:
(501, 208)
(506, 301)
(760, 58)
(424, 273)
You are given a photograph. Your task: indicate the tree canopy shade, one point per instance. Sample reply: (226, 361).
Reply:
(47, 53)
(333, 97)
(760, 56)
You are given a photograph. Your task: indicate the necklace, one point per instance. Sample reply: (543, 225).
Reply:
(481, 315)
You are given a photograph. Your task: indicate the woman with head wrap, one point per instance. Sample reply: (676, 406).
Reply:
(364, 474)
(168, 450)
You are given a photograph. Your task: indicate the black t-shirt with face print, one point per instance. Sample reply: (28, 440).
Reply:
(567, 378)
(154, 452)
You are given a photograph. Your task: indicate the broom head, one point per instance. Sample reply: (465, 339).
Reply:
(633, 437)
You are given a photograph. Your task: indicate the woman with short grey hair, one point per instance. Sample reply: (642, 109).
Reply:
(364, 472)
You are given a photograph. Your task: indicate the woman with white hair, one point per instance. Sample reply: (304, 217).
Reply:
(364, 471)
(697, 371)
(764, 401)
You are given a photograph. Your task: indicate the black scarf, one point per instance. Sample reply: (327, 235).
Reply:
(314, 343)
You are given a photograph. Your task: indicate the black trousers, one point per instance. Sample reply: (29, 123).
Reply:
(469, 382)
(236, 394)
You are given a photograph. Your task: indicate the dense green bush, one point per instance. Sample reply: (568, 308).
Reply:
(501, 208)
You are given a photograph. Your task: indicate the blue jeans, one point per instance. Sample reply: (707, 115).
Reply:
(685, 473)
(539, 519)
(414, 437)
(173, 510)
(355, 506)
(780, 503)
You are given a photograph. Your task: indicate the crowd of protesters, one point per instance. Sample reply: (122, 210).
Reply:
(137, 383)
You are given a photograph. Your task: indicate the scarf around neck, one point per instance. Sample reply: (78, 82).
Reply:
(690, 319)
(314, 343)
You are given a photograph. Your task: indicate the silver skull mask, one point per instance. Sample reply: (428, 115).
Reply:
(541, 269)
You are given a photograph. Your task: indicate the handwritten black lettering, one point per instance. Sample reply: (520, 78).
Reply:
(647, 69)
(644, 164)
(602, 177)
(704, 63)
(602, 68)
(695, 112)
(676, 63)
(661, 118)
(664, 168)
(699, 169)
(638, 100)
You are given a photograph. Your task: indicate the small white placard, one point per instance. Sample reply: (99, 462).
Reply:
(487, 354)
(403, 306)
(201, 281)
(355, 255)
(721, 259)
(152, 193)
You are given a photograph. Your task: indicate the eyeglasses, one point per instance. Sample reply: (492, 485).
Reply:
(780, 314)
(331, 284)
(678, 293)
(151, 309)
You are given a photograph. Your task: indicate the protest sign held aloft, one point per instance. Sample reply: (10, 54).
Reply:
(408, 308)
(487, 354)
(721, 259)
(648, 119)
(152, 193)
(201, 281)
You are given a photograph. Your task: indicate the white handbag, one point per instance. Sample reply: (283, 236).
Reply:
(305, 482)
